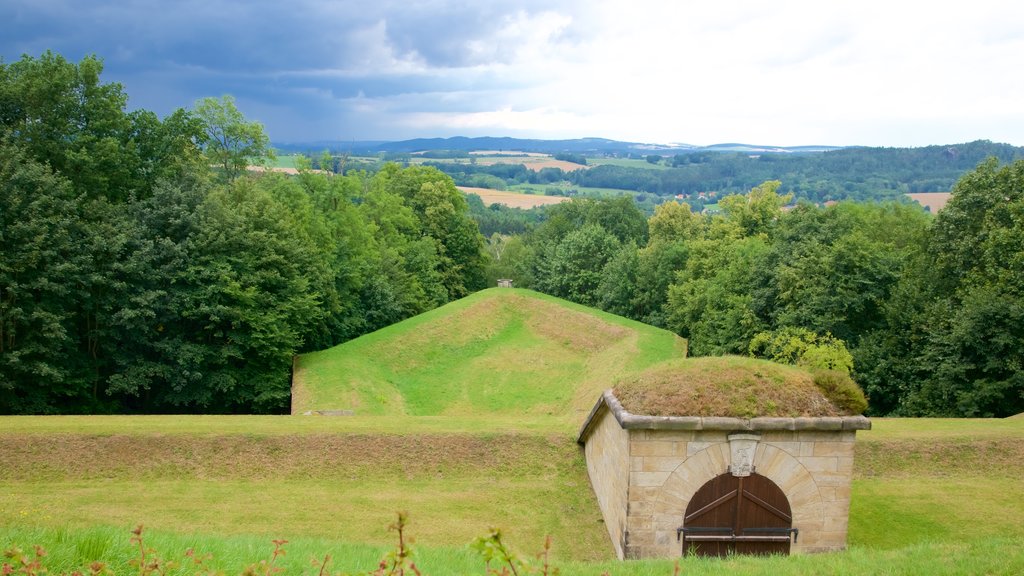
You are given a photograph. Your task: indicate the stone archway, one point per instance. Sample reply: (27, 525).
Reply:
(738, 514)
(674, 495)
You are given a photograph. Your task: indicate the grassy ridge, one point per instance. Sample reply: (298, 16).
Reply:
(499, 351)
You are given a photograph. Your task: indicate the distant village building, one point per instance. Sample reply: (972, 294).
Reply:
(674, 485)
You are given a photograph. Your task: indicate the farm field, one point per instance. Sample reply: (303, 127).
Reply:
(285, 160)
(535, 162)
(933, 201)
(513, 199)
(584, 191)
(626, 163)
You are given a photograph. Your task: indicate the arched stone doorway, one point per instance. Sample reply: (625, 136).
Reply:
(737, 515)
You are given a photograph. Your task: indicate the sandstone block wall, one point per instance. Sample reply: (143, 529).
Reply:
(608, 467)
(667, 467)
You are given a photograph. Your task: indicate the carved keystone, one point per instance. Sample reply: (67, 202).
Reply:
(742, 447)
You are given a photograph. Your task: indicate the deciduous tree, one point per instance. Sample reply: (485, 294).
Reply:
(231, 142)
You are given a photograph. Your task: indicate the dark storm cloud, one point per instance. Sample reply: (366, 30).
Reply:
(314, 58)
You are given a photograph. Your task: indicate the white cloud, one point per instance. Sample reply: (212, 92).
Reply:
(701, 71)
(785, 73)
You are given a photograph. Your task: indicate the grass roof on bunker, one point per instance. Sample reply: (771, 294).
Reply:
(738, 387)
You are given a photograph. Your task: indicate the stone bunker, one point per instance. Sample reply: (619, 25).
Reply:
(671, 485)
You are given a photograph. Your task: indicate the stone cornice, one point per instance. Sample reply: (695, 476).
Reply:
(630, 421)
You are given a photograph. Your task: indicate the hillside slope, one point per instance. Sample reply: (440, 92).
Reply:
(499, 351)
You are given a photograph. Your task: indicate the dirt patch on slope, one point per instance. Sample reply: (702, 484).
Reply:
(931, 457)
(575, 330)
(319, 456)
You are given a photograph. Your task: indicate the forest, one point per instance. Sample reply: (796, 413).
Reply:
(143, 268)
(924, 312)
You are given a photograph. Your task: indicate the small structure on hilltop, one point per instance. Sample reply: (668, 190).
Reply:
(504, 282)
(716, 456)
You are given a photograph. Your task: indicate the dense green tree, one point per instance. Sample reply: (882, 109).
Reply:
(253, 268)
(575, 265)
(41, 260)
(711, 302)
(758, 211)
(621, 218)
(617, 290)
(230, 141)
(675, 222)
(226, 287)
(974, 327)
(159, 363)
(62, 115)
(346, 239)
(507, 259)
(443, 216)
(833, 270)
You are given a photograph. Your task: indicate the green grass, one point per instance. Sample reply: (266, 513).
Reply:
(627, 163)
(943, 480)
(894, 513)
(70, 549)
(447, 512)
(500, 352)
(285, 160)
(946, 428)
(929, 496)
(514, 374)
(342, 486)
(565, 187)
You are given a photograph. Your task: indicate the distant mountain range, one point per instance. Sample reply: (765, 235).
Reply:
(576, 146)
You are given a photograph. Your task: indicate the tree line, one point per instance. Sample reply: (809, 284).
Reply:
(926, 313)
(861, 173)
(143, 268)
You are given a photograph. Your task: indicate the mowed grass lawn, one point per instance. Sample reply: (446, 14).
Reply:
(930, 496)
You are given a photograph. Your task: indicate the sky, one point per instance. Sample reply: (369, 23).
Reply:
(785, 73)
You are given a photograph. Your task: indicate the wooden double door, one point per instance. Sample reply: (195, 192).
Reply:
(738, 515)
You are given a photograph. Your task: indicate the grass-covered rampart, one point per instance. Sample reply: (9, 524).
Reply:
(497, 352)
(494, 449)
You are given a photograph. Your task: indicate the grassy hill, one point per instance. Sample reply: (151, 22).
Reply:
(499, 352)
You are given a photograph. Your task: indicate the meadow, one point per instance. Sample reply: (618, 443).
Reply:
(566, 187)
